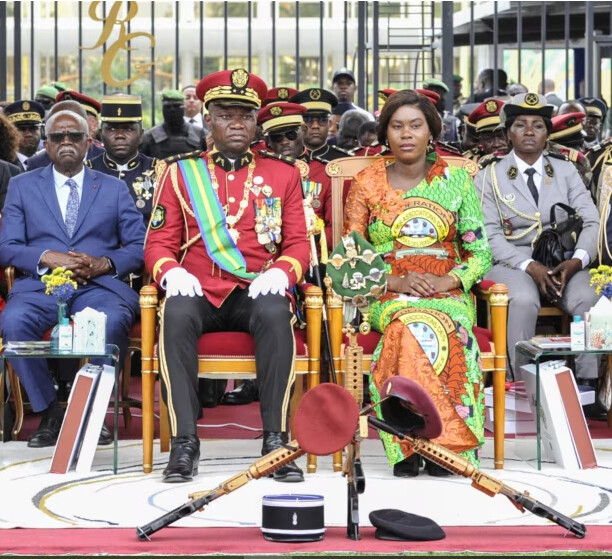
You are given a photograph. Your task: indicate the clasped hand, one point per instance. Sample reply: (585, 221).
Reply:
(551, 283)
(82, 265)
(422, 284)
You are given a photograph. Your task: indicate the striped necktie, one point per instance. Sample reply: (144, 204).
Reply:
(72, 207)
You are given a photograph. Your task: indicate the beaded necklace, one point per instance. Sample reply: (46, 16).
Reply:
(231, 220)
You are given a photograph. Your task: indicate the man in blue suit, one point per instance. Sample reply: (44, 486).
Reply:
(67, 215)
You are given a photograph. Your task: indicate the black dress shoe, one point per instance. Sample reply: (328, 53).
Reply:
(184, 459)
(246, 393)
(47, 432)
(106, 437)
(211, 391)
(436, 471)
(289, 473)
(409, 467)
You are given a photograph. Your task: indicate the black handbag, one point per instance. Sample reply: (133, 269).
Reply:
(557, 243)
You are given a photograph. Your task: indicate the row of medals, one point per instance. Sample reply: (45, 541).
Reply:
(143, 188)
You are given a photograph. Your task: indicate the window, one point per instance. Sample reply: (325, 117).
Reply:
(307, 9)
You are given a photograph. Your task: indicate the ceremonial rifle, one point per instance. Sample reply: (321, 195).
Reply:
(483, 482)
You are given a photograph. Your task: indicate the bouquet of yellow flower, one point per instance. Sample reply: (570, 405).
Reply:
(59, 284)
(601, 280)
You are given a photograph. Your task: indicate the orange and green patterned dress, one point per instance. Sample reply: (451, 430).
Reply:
(436, 227)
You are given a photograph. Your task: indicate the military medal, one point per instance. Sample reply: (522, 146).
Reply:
(507, 227)
(312, 189)
(266, 191)
(140, 203)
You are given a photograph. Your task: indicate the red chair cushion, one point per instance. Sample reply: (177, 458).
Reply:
(484, 338)
(486, 284)
(239, 344)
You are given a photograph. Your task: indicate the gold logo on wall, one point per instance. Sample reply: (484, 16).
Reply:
(122, 42)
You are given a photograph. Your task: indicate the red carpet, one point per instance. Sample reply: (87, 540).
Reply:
(243, 541)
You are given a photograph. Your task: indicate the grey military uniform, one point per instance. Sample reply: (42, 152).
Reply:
(512, 221)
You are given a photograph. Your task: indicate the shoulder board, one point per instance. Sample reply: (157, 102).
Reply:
(488, 159)
(448, 147)
(556, 155)
(272, 155)
(188, 155)
(342, 150)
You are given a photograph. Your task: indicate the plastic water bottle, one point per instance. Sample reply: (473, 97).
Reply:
(577, 334)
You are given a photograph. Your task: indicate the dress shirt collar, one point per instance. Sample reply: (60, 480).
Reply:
(60, 180)
(522, 165)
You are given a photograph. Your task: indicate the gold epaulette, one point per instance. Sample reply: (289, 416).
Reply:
(188, 155)
(488, 159)
(272, 155)
(303, 168)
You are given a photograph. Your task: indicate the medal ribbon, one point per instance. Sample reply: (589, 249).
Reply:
(211, 219)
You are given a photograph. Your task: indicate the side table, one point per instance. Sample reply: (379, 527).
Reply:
(43, 350)
(527, 352)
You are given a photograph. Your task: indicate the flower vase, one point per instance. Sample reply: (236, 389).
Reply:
(61, 319)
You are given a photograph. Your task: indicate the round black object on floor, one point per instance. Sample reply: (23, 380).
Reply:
(292, 518)
(394, 524)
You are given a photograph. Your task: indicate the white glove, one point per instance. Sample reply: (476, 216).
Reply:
(273, 281)
(178, 281)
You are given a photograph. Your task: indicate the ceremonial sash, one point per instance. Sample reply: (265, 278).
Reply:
(211, 219)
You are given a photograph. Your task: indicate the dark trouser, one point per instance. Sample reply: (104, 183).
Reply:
(267, 318)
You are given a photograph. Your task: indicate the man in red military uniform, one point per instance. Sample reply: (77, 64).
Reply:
(226, 239)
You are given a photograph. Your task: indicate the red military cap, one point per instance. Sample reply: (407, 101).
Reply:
(431, 95)
(90, 105)
(566, 125)
(280, 115)
(232, 87)
(279, 95)
(485, 117)
(383, 95)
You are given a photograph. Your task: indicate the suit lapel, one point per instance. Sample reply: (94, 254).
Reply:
(91, 186)
(46, 185)
(520, 184)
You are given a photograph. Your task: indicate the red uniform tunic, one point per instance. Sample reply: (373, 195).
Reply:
(173, 236)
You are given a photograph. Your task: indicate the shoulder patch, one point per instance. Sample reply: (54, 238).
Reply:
(272, 155)
(158, 217)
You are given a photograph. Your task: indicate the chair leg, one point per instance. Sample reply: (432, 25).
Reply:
(126, 377)
(17, 399)
(148, 421)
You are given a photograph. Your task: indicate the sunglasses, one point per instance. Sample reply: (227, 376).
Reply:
(322, 119)
(278, 136)
(58, 137)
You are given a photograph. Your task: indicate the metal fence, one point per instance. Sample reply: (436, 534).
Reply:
(144, 47)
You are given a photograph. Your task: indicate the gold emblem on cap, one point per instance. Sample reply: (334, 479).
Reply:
(491, 106)
(532, 99)
(315, 94)
(571, 121)
(283, 93)
(240, 78)
(275, 111)
(25, 106)
(118, 111)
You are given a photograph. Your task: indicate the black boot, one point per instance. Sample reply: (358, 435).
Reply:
(210, 391)
(246, 393)
(436, 471)
(184, 459)
(290, 473)
(409, 467)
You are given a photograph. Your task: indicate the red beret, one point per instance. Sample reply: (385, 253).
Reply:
(566, 125)
(90, 105)
(326, 419)
(486, 116)
(278, 94)
(280, 115)
(431, 95)
(406, 406)
(383, 95)
(232, 87)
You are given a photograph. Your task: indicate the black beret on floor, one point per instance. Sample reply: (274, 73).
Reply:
(394, 524)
